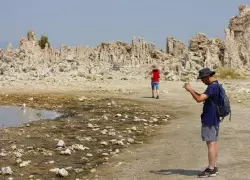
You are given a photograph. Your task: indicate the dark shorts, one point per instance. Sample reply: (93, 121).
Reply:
(155, 85)
(210, 133)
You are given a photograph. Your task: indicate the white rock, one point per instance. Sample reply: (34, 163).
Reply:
(104, 143)
(79, 147)
(17, 154)
(89, 154)
(6, 170)
(90, 125)
(25, 163)
(78, 170)
(120, 143)
(30, 147)
(55, 170)
(60, 172)
(117, 151)
(13, 147)
(87, 139)
(95, 129)
(130, 140)
(70, 168)
(51, 162)
(112, 133)
(118, 115)
(134, 128)
(105, 117)
(93, 170)
(20, 150)
(61, 143)
(82, 98)
(84, 159)
(120, 163)
(136, 119)
(18, 161)
(113, 141)
(10, 178)
(104, 131)
(2, 154)
(155, 120)
(47, 153)
(66, 152)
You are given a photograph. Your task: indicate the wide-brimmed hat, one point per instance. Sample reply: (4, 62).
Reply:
(154, 66)
(205, 73)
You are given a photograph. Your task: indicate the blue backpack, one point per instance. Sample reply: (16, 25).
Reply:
(223, 109)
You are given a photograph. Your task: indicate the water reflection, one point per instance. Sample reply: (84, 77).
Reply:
(15, 116)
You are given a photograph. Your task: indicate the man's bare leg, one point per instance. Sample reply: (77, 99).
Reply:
(216, 150)
(212, 154)
(157, 92)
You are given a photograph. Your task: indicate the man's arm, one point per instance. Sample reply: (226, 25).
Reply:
(197, 93)
(198, 97)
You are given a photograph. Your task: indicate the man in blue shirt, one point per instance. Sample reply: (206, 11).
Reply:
(209, 118)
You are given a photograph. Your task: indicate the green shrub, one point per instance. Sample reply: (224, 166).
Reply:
(185, 78)
(230, 73)
(102, 73)
(88, 77)
(43, 41)
(81, 74)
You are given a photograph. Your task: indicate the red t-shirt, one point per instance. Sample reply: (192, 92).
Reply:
(156, 76)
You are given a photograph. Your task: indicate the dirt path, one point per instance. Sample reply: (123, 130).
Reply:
(177, 151)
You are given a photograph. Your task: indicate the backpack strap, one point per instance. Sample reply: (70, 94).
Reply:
(220, 119)
(230, 114)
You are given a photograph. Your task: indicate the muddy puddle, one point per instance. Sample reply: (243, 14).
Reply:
(13, 116)
(103, 127)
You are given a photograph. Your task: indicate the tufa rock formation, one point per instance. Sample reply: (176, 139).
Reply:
(131, 60)
(237, 44)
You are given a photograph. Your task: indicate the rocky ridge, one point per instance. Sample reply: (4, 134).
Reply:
(119, 60)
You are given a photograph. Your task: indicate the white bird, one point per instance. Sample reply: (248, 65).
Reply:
(23, 108)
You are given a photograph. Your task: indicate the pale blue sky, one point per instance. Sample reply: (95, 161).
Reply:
(82, 22)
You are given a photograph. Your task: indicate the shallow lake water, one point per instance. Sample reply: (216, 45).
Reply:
(11, 116)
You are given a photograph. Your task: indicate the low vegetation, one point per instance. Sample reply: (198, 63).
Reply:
(43, 41)
(231, 73)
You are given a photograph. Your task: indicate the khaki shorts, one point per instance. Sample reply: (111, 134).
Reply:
(210, 133)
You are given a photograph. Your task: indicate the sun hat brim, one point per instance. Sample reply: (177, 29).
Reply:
(211, 73)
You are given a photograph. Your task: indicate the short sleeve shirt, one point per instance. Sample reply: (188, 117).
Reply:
(209, 116)
(156, 76)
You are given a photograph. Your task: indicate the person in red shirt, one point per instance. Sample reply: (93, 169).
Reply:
(155, 77)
